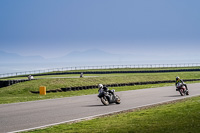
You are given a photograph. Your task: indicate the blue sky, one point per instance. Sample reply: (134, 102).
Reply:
(53, 28)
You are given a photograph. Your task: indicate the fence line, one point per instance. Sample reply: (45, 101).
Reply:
(100, 67)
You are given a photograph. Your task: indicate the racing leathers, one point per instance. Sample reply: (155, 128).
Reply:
(106, 90)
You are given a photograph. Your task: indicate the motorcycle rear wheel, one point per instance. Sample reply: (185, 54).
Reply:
(104, 100)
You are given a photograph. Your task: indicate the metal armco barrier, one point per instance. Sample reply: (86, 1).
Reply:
(82, 68)
(112, 85)
(112, 72)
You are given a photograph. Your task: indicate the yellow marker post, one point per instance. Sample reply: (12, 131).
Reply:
(42, 90)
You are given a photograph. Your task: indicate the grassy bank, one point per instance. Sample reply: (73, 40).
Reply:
(174, 118)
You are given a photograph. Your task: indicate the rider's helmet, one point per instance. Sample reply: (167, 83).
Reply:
(177, 78)
(100, 86)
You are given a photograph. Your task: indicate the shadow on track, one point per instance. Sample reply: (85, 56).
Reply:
(99, 105)
(174, 96)
(94, 105)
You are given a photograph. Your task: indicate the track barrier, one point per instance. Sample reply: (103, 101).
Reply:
(82, 68)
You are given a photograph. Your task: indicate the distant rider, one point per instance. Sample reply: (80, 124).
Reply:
(178, 80)
(81, 75)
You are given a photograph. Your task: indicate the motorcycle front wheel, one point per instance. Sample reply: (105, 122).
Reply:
(104, 100)
(118, 101)
(182, 92)
(187, 92)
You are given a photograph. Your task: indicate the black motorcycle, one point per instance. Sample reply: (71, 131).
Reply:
(108, 97)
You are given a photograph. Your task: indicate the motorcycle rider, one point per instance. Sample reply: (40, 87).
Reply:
(178, 80)
(100, 86)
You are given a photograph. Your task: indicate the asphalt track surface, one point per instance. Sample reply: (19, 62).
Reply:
(24, 116)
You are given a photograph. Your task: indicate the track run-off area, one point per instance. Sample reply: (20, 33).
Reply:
(25, 116)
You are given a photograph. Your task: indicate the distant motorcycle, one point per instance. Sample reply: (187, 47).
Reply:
(108, 97)
(182, 89)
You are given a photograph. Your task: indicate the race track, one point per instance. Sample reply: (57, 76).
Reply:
(30, 115)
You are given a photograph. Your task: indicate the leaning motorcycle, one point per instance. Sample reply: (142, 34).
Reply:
(108, 97)
(182, 89)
